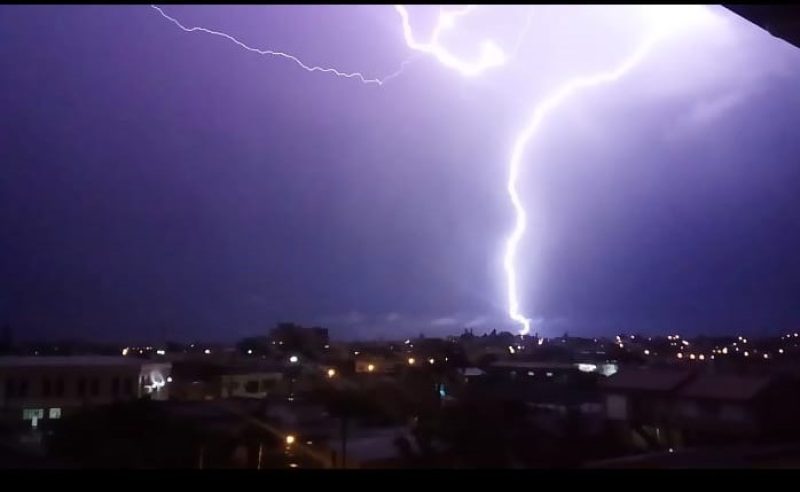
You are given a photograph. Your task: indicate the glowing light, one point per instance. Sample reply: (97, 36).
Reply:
(207, 351)
(431, 361)
(549, 104)
(746, 353)
(308, 68)
(249, 351)
(668, 18)
(646, 352)
(680, 355)
(411, 361)
(701, 357)
(766, 356)
(490, 55)
(371, 367)
(160, 352)
(125, 351)
(780, 351)
(511, 349)
(157, 380)
(290, 439)
(169, 379)
(331, 373)
(293, 359)
(692, 356)
(587, 367)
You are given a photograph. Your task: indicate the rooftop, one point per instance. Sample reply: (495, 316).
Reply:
(727, 387)
(646, 379)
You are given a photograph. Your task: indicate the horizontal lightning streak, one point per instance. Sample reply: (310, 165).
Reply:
(309, 68)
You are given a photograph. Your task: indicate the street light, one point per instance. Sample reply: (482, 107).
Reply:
(289, 439)
(370, 367)
(331, 372)
(293, 359)
(411, 361)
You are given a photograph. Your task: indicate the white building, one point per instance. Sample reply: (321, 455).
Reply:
(42, 388)
(247, 384)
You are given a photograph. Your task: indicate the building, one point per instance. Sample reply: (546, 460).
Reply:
(250, 384)
(660, 408)
(288, 337)
(727, 407)
(37, 389)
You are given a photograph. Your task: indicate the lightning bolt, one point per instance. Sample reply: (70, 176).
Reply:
(490, 56)
(565, 91)
(308, 68)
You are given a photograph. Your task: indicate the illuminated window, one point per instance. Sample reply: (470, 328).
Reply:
(32, 413)
(55, 413)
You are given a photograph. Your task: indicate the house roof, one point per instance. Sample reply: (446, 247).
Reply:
(726, 386)
(646, 380)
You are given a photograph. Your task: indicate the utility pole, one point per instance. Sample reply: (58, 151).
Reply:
(344, 442)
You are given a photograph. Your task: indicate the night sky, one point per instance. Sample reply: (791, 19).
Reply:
(154, 181)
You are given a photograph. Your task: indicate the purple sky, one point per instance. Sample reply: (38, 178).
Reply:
(153, 179)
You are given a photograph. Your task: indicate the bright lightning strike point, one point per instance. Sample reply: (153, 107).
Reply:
(490, 56)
